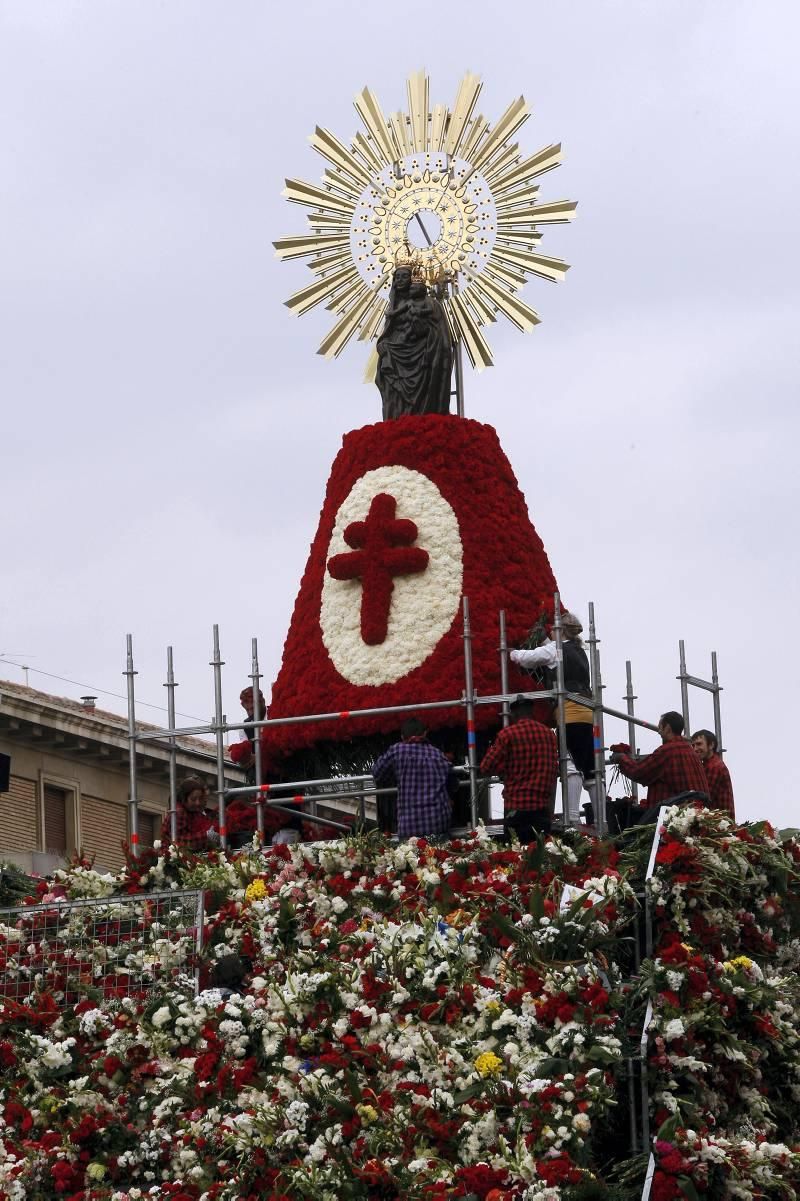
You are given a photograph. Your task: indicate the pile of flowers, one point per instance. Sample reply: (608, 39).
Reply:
(426, 1022)
(724, 1041)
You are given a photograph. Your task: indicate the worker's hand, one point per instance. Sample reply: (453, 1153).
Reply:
(618, 749)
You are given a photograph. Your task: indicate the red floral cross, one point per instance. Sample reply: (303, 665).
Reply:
(381, 550)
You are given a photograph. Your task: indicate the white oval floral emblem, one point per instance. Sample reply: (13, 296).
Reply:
(423, 604)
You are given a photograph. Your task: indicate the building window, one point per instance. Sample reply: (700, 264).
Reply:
(59, 817)
(55, 819)
(149, 827)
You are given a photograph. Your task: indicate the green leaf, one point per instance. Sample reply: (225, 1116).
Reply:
(666, 1132)
(536, 903)
(552, 1067)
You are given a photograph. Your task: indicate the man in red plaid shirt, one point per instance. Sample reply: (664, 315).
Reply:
(525, 757)
(672, 768)
(720, 788)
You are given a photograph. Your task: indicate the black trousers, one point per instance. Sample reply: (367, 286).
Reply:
(580, 744)
(526, 824)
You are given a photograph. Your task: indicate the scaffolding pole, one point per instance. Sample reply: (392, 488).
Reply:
(713, 686)
(684, 679)
(598, 728)
(629, 698)
(255, 676)
(469, 702)
(563, 753)
(133, 801)
(469, 699)
(505, 711)
(717, 710)
(219, 730)
(173, 750)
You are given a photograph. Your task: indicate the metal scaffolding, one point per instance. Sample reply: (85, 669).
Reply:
(286, 796)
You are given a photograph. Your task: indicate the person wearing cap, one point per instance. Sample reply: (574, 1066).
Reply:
(242, 752)
(525, 757)
(578, 718)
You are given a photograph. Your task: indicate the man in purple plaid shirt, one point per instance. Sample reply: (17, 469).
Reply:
(425, 782)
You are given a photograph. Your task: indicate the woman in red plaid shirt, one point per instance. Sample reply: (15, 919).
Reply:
(192, 823)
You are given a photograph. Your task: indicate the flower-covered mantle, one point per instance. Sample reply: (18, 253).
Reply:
(417, 513)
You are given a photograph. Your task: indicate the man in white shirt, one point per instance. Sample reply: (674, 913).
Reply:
(578, 718)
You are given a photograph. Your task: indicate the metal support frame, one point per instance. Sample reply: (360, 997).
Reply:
(563, 753)
(713, 686)
(684, 679)
(173, 749)
(58, 952)
(629, 699)
(644, 1096)
(255, 676)
(598, 725)
(133, 799)
(469, 701)
(504, 708)
(715, 696)
(219, 731)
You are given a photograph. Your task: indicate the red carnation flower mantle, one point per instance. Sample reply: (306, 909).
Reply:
(377, 619)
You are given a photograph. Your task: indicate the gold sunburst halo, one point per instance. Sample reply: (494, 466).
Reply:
(438, 183)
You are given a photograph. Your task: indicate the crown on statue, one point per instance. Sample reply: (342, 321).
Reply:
(425, 268)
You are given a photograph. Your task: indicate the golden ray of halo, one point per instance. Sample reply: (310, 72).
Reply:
(451, 164)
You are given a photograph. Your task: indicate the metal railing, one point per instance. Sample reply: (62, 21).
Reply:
(113, 946)
(467, 703)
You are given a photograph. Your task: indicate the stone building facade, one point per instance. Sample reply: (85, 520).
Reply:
(69, 779)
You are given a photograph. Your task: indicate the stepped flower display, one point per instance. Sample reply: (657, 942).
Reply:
(378, 1021)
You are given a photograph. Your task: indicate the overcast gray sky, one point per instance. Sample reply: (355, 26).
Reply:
(168, 428)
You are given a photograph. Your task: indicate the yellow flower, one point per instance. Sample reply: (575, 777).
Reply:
(488, 1064)
(493, 1008)
(255, 891)
(741, 961)
(367, 1113)
(95, 1171)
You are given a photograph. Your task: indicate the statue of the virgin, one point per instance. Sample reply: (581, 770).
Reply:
(415, 351)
